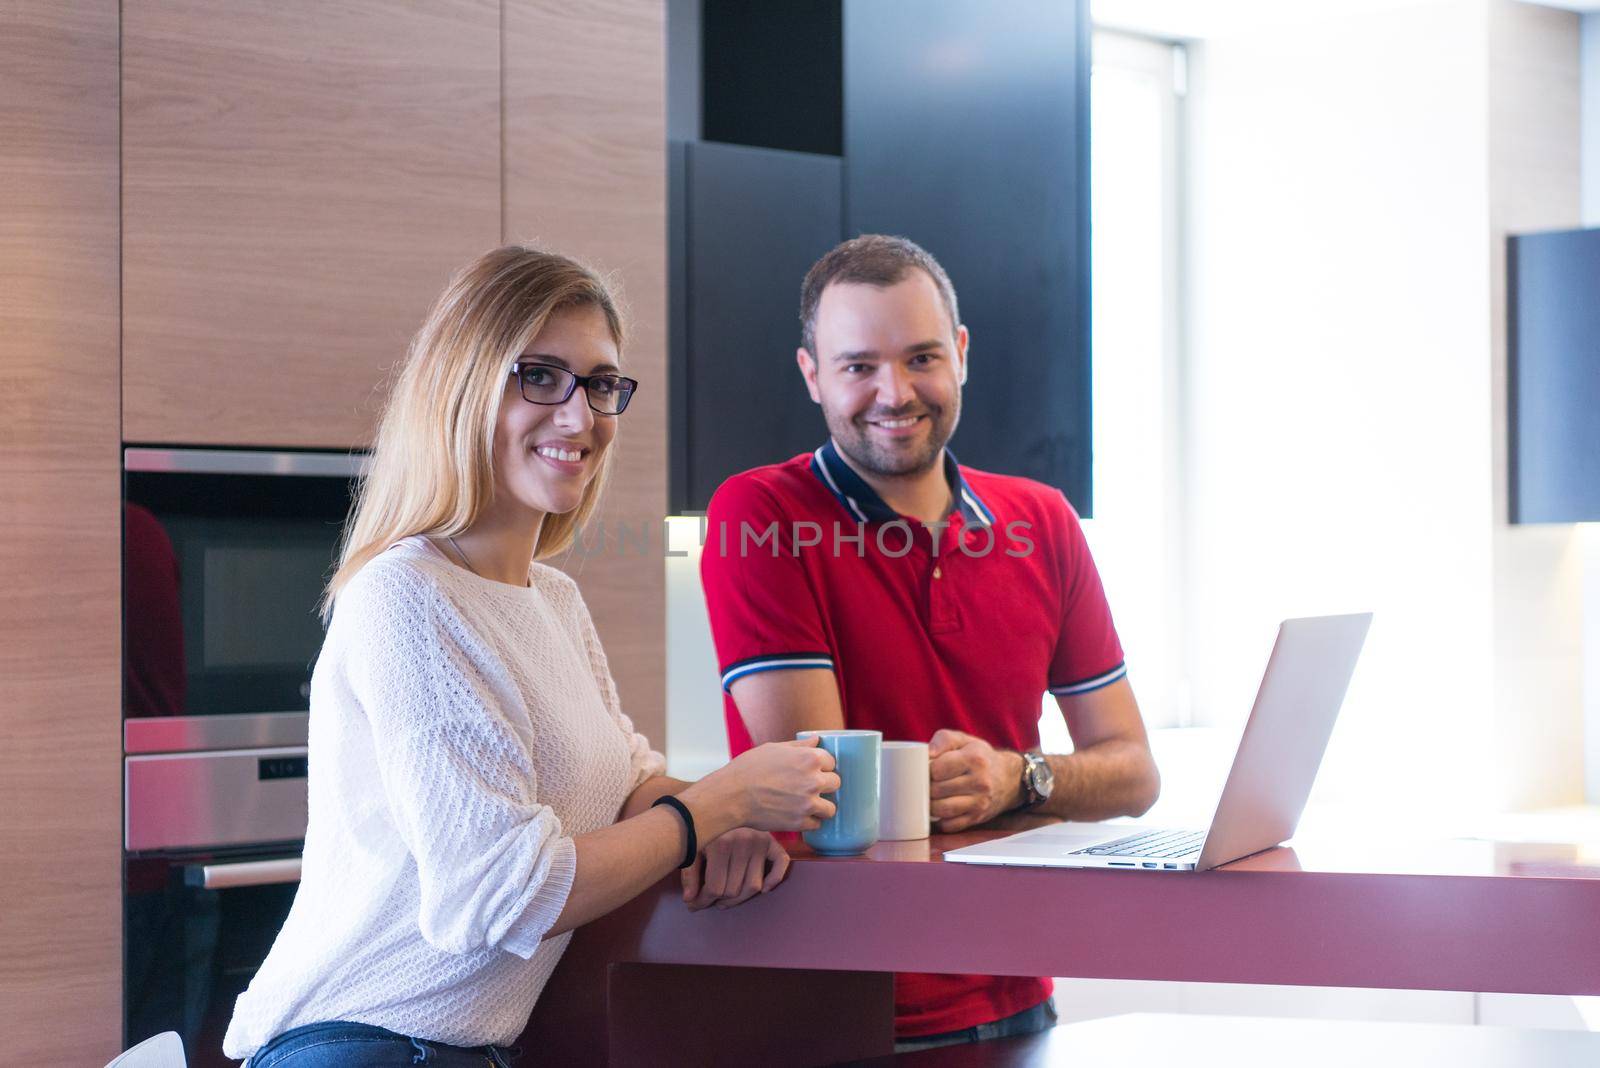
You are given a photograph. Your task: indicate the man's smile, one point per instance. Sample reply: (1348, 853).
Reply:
(901, 426)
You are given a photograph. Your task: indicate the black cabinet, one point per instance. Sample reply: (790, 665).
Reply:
(750, 223)
(1553, 376)
(965, 127)
(967, 130)
(770, 74)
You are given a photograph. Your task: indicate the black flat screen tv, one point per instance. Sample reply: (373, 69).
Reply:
(1553, 376)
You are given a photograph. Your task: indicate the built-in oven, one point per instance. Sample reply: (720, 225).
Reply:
(215, 820)
(225, 555)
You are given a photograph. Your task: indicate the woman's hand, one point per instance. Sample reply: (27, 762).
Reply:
(783, 784)
(773, 787)
(734, 868)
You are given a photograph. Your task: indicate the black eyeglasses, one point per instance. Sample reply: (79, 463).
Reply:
(544, 383)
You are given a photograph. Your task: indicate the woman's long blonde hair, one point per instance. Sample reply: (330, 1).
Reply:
(432, 469)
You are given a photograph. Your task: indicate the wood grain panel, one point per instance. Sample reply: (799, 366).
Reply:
(300, 179)
(61, 712)
(585, 174)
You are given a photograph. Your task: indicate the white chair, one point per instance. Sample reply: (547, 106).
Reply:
(158, 1051)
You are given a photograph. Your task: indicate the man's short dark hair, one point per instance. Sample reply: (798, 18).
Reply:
(874, 260)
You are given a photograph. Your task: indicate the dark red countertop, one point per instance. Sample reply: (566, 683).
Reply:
(1442, 915)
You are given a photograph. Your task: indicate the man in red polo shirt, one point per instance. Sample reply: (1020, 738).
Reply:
(876, 583)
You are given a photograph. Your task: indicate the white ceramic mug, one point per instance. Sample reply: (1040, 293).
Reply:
(903, 792)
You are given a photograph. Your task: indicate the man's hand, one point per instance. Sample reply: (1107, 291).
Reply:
(972, 782)
(733, 868)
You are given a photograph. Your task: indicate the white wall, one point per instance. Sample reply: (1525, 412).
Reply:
(1340, 379)
(1590, 542)
(1354, 177)
(1534, 154)
(697, 740)
(1590, 93)
(1589, 66)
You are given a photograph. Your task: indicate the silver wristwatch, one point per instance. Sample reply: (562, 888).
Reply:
(1038, 779)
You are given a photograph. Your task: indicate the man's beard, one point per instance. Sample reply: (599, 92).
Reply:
(855, 440)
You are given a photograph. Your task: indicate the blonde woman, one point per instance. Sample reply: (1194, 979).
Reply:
(475, 791)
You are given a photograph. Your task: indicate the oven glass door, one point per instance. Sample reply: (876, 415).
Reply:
(196, 929)
(225, 556)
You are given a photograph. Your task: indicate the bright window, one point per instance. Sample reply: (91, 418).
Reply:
(1135, 97)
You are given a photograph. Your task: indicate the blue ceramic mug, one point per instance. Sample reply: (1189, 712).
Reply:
(854, 827)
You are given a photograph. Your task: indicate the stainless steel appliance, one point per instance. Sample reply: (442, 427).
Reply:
(225, 554)
(214, 822)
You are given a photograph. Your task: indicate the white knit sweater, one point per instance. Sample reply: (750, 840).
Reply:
(462, 732)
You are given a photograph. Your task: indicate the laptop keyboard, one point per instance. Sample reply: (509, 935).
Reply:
(1162, 845)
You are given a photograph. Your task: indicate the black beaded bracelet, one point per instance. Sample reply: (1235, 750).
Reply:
(693, 849)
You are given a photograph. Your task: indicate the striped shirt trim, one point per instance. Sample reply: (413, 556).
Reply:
(973, 507)
(1073, 688)
(859, 498)
(820, 464)
(775, 662)
(980, 510)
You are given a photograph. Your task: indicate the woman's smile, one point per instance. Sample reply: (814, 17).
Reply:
(569, 458)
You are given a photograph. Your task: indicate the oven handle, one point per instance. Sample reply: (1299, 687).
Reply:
(246, 873)
(245, 462)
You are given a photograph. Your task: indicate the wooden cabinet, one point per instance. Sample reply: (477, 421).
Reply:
(585, 174)
(60, 629)
(299, 180)
(297, 183)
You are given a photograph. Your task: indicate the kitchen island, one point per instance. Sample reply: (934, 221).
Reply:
(803, 975)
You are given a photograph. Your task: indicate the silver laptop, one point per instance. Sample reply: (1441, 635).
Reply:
(1277, 760)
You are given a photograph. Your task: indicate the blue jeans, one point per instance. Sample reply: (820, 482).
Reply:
(1041, 1017)
(356, 1045)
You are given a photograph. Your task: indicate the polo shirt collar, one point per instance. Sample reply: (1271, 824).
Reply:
(863, 502)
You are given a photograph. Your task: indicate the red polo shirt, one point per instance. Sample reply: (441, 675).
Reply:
(806, 568)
